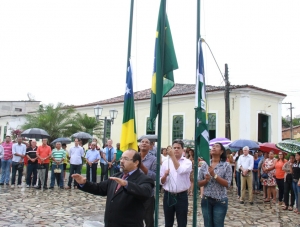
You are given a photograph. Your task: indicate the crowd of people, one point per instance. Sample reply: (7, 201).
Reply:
(253, 172)
(260, 172)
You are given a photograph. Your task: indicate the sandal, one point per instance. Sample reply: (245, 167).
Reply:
(290, 208)
(267, 200)
(285, 208)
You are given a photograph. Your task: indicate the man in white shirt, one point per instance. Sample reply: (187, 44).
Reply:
(19, 152)
(245, 165)
(175, 179)
(76, 154)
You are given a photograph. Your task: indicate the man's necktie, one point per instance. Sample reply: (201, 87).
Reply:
(109, 155)
(125, 175)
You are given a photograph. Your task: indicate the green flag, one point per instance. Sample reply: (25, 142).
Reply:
(164, 56)
(202, 135)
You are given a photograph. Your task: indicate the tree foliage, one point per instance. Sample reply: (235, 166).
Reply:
(84, 123)
(56, 120)
(287, 124)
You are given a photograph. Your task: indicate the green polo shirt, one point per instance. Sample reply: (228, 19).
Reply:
(58, 155)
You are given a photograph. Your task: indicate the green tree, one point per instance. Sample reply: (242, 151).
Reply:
(84, 123)
(285, 123)
(56, 120)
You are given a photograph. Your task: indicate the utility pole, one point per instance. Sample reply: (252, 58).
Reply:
(291, 119)
(227, 105)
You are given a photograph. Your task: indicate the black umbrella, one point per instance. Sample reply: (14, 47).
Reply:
(35, 133)
(152, 138)
(62, 140)
(82, 135)
(238, 144)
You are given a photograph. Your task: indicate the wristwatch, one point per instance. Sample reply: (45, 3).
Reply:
(216, 175)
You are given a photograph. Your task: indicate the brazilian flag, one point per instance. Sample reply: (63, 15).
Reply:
(164, 63)
(128, 134)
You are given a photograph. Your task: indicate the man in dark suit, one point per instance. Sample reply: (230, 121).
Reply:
(126, 192)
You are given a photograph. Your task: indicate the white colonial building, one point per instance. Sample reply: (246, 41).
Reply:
(255, 113)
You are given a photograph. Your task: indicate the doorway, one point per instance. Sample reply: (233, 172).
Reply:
(263, 134)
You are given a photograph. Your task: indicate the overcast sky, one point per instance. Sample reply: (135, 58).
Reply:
(75, 51)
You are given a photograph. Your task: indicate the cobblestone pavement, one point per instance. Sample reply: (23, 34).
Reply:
(31, 207)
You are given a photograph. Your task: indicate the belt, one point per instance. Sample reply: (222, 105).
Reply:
(176, 193)
(207, 197)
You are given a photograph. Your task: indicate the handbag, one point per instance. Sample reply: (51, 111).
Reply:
(20, 166)
(57, 170)
(264, 176)
(41, 166)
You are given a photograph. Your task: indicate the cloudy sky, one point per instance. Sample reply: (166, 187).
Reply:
(75, 51)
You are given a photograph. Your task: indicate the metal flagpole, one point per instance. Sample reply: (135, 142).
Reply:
(195, 193)
(129, 34)
(158, 157)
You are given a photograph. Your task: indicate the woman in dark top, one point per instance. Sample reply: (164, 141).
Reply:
(296, 176)
(288, 184)
(237, 173)
(215, 178)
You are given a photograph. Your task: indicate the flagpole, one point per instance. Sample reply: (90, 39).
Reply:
(130, 34)
(195, 193)
(158, 156)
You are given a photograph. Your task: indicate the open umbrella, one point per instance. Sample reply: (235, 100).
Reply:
(152, 138)
(62, 140)
(35, 133)
(221, 140)
(291, 146)
(82, 135)
(189, 143)
(267, 147)
(238, 144)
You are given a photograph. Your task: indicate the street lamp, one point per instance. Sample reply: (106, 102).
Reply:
(98, 112)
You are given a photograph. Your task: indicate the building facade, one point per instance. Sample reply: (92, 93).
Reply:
(12, 115)
(255, 113)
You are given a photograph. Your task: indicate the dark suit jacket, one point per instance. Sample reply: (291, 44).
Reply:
(125, 207)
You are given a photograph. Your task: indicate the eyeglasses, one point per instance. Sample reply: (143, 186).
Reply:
(280, 154)
(125, 159)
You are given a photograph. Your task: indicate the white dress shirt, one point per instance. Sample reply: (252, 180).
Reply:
(246, 161)
(18, 149)
(76, 154)
(178, 180)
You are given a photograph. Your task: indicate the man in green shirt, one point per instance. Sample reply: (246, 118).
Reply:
(58, 157)
(118, 156)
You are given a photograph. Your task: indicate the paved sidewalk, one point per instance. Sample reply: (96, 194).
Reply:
(57, 207)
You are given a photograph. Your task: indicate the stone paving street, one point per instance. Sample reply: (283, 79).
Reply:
(30, 207)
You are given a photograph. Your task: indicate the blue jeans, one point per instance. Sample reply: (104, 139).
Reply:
(74, 169)
(255, 181)
(104, 174)
(13, 173)
(214, 211)
(53, 175)
(175, 204)
(5, 166)
(296, 189)
(31, 169)
(238, 182)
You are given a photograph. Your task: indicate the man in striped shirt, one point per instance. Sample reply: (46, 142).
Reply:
(58, 156)
(6, 161)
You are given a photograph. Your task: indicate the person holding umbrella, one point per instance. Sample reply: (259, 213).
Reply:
(58, 156)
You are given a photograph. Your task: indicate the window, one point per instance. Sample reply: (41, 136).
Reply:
(18, 109)
(177, 130)
(150, 131)
(212, 125)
